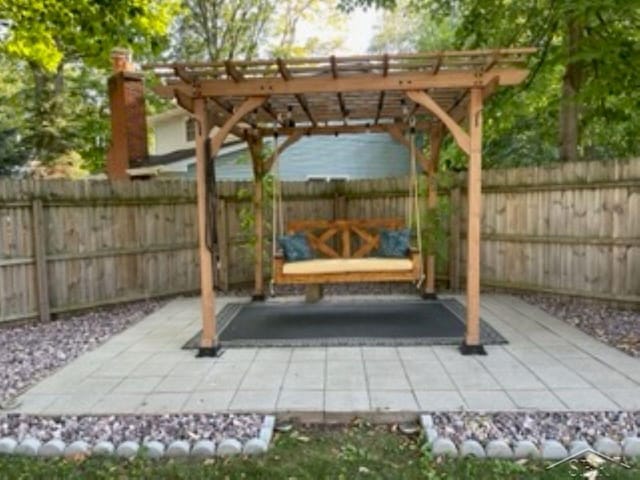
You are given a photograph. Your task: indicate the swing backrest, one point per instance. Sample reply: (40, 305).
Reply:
(356, 238)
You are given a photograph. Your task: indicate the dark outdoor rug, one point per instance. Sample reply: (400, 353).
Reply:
(358, 323)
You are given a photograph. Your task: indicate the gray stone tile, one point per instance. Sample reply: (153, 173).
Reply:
(305, 375)
(95, 386)
(566, 351)
(518, 378)
(159, 402)
(380, 353)
(178, 384)
(79, 403)
(193, 368)
(238, 355)
(148, 369)
(585, 399)
(346, 401)
(558, 376)
(345, 375)
(300, 401)
(393, 401)
(309, 354)
(439, 400)
(274, 355)
(344, 353)
(223, 377)
(540, 399)
(386, 375)
(428, 376)
(34, 403)
(264, 375)
(487, 400)
(209, 402)
(474, 380)
(417, 354)
(137, 385)
(254, 401)
(627, 398)
(118, 403)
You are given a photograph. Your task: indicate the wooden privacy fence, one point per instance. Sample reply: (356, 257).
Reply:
(65, 245)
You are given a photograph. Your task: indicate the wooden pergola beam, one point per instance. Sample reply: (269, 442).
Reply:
(293, 138)
(334, 73)
(461, 137)
(385, 72)
(337, 129)
(344, 84)
(471, 344)
(209, 339)
(286, 75)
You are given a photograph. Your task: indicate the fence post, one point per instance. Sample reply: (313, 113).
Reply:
(454, 238)
(223, 244)
(39, 249)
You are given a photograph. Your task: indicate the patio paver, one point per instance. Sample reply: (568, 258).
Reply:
(547, 365)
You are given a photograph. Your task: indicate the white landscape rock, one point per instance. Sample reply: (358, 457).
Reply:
(444, 447)
(178, 449)
(53, 448)
(77, 448)
(103, 448)
(203, 449)
(154, 449)
(255, 446)
(472, 448)
(228, 447)
(578, 446)
(608, 446)
(7, 445)
(553, 450)
(28, 447)
(499, 449)
(128, 449)
(526, 449)
(631, 447)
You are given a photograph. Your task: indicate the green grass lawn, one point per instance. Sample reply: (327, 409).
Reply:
(357, 452)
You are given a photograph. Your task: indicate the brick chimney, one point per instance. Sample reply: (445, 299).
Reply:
(128, 119)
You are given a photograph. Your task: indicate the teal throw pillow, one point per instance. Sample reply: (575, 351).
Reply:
(394, 243)
(295, 247)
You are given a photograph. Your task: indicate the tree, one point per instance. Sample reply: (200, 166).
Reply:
(586, 70)
(57, 39)
(220, 29)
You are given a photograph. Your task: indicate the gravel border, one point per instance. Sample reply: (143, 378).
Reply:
(31, 352)
(545, 435)
(617, 327)
(170, 436)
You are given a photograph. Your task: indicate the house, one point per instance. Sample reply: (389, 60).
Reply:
(347, 156)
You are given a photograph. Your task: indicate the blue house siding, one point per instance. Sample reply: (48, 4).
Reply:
(373, 155)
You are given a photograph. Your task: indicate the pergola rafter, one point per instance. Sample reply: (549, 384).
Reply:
(255, 99)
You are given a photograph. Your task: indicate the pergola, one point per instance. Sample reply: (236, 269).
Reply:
(442, 91)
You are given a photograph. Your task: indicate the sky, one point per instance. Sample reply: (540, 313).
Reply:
(359, 31)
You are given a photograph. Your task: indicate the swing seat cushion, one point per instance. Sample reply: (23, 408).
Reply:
(393, 243)
(348, 265)
(295, 247)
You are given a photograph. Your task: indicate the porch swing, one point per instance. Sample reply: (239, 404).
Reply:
(308, 252)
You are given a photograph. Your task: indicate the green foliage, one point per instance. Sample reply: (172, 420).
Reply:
(584, 74)
(59, 52)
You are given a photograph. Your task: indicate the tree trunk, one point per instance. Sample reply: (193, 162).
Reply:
(569, 103)
(48, 136)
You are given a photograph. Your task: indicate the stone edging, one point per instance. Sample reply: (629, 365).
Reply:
(549, 449)
(33, 447)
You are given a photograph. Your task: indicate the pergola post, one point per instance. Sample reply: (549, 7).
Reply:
(255, 148)
(471, 344)
(435, 142)
(209, 340)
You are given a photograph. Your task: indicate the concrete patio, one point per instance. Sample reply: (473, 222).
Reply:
(547, 365)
